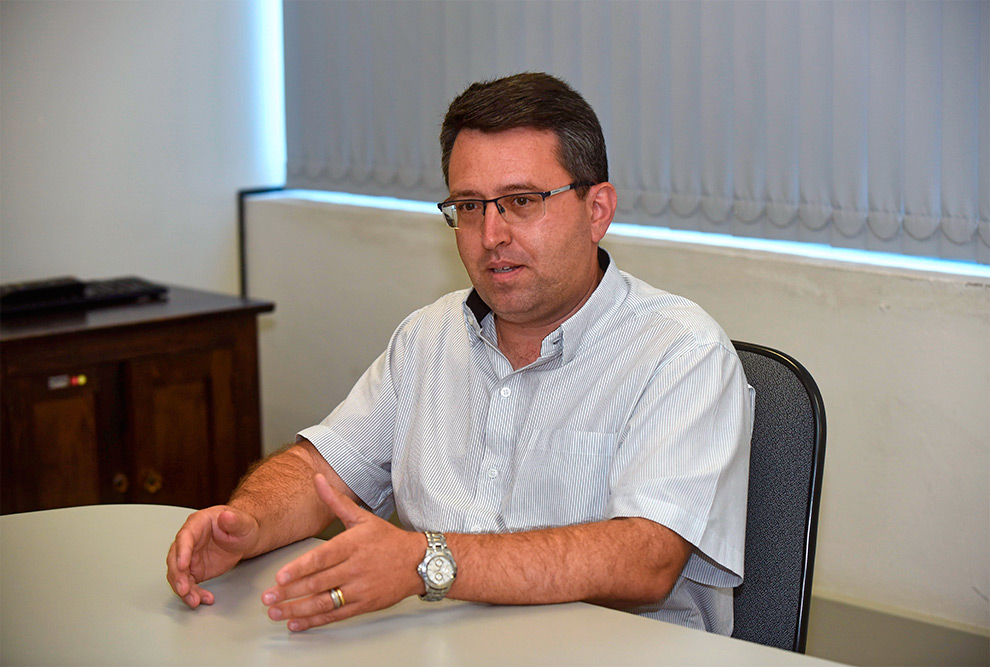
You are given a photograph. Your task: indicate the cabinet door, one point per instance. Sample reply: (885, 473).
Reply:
(182, 430)
(59, 430)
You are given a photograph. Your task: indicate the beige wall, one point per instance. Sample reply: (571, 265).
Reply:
(902, 359)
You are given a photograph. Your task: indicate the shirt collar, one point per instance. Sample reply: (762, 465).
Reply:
(576, 327)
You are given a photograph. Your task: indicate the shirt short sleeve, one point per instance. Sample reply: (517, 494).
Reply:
(684, 458)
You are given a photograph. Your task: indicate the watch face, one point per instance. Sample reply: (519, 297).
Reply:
(439, 570)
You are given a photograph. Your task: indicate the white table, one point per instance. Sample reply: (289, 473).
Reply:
(87, 585)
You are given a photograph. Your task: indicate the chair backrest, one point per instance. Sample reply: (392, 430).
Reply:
(785, 480)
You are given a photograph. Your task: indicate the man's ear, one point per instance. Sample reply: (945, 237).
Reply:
(602, 200)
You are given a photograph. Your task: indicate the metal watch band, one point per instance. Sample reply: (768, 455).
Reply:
(435, 540)
(436, 547)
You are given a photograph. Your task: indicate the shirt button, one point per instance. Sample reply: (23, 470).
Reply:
(493, 473)
(505, 392)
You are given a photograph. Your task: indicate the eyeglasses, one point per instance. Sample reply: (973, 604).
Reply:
(518, 207)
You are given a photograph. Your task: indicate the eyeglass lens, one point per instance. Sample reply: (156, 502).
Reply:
(515, 208)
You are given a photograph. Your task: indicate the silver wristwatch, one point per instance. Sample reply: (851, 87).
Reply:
(438, 568)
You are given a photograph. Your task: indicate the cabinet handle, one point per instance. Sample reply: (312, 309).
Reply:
(120, 483)
(152, 482)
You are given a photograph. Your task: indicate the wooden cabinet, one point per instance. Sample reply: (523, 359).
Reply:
(146, 403)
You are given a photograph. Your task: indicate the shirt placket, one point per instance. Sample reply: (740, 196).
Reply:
(500, 435)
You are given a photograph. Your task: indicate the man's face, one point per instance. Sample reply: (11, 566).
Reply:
(530, 274)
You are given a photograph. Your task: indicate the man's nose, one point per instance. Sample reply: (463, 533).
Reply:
(495, 230)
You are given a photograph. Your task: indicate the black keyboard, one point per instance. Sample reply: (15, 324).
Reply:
(67, 293)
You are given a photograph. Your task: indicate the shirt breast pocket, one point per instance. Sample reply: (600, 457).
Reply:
(561, 479)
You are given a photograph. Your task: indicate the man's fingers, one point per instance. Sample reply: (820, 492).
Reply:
(182, 548)
(315, 561)
(189, 556)
(185, 587)
(196, 531)
(298, 580)
(172, 573)
(312, 611)
(197, 596)
(205, 596)
(178, 562)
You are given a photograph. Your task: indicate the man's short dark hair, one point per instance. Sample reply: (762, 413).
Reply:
(535, 100)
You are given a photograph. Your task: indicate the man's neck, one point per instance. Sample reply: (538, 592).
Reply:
(521, 344)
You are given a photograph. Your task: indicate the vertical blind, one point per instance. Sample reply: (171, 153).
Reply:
(859, 124)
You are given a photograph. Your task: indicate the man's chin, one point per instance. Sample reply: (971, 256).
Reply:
(514, 311)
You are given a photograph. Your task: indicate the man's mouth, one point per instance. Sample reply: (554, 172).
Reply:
(504, 269)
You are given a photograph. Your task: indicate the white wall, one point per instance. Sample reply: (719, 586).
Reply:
(126, 130)
(902, 359)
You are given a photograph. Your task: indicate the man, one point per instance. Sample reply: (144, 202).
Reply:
(561, 432)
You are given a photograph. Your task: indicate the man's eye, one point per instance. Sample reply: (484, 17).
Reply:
(523, 201)
(467, 206)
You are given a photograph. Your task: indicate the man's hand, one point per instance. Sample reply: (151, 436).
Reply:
(372, 562)
(209, 543)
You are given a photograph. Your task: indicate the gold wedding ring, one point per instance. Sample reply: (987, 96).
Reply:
(338, 598)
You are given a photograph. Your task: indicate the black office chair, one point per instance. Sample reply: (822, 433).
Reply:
(785, 482)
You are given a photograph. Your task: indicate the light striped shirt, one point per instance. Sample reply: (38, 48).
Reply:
(636, 407)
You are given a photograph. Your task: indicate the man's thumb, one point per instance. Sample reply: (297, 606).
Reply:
(343, 507)
(235, 523)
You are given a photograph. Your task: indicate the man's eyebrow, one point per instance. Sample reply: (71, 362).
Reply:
(509, 189)
(464, 194)
(521, 187)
